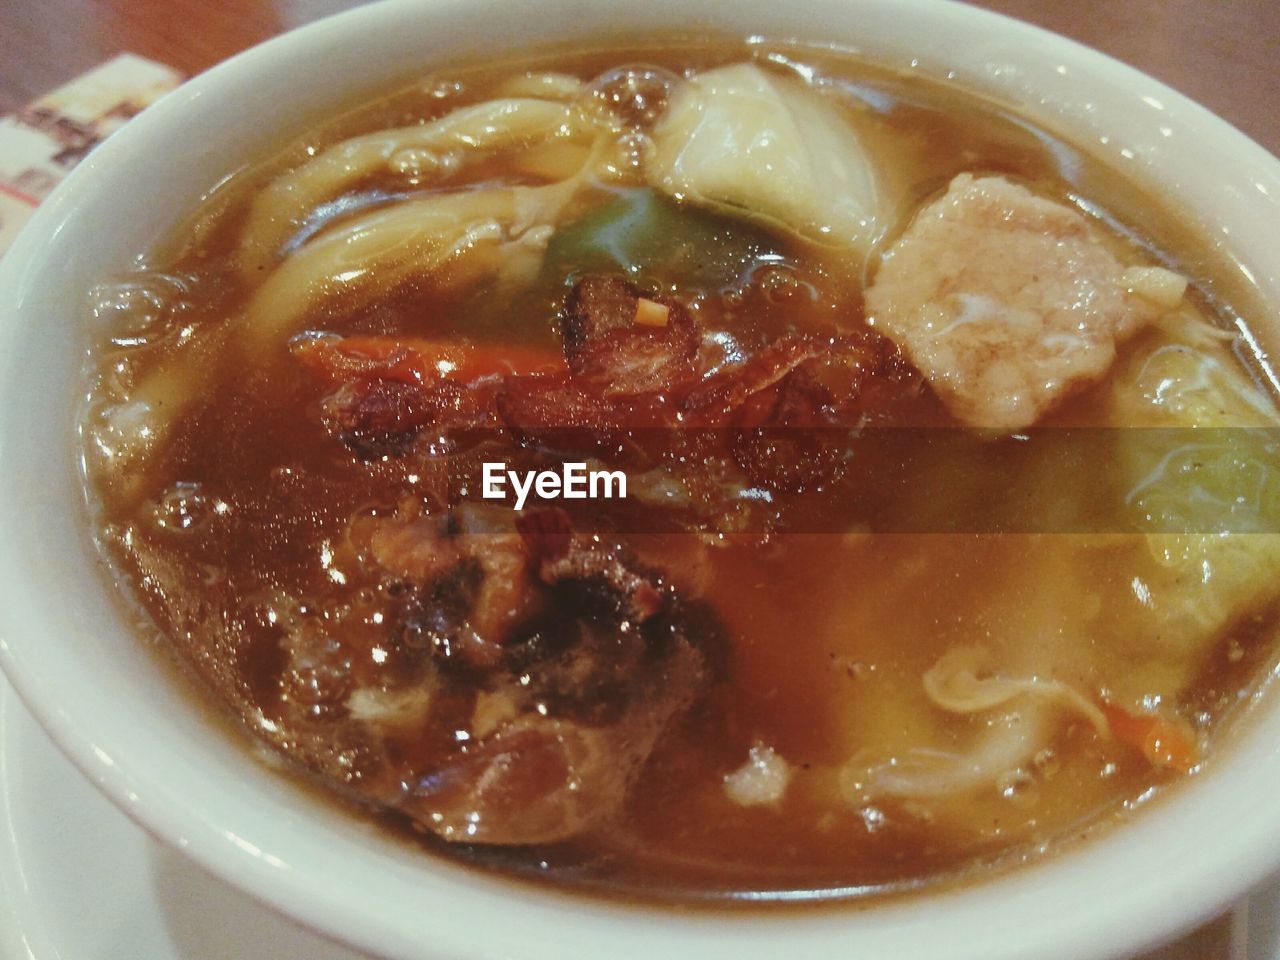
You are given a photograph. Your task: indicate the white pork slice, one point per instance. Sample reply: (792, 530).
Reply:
(1007, 302)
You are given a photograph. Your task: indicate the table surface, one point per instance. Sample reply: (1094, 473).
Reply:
(1223, 53)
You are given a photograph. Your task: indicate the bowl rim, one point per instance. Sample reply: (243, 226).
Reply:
(1136, 917)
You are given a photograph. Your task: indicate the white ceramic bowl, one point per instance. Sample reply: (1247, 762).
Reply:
(84, 674)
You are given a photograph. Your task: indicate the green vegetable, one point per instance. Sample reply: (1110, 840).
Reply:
(1203, 469)
(657, 240)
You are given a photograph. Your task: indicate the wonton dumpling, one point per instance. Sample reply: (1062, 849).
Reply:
(1007, 302)
(771, 148)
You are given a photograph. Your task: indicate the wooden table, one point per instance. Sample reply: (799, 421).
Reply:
(1223, 53)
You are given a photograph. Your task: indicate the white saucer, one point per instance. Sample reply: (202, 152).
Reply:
(79, 881)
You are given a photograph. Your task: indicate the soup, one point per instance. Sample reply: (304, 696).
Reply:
(895, 493)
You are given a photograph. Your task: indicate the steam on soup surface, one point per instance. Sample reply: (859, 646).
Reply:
(898, 588)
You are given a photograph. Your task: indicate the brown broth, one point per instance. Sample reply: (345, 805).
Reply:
(828, 634)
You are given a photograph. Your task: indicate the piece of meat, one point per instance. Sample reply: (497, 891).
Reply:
(534, 781)
(412, 545)
(463, 616)
(585, 702)
(1004, 300)
(556, 416)
(531, 405)
(795, 441)
(611, 354)
(595, 308)
(468, 592)
(848, 378)
(547, 534)
(791, 411)
(639, 361)
(391, 389)
(589, 654)
(638, 595)
(723, 393)
(383, 418)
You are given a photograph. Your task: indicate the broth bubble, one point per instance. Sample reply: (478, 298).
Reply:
(182, 507)
(636, 95)
(135, 307)
(1046, 762)
(318, 677)
(1019, 787)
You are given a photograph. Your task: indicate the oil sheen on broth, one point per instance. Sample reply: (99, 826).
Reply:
(777, 666)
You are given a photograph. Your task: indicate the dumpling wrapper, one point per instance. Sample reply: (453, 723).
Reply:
(769, 148)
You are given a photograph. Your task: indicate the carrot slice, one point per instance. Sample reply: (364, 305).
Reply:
(1166, 741)
(415, 360)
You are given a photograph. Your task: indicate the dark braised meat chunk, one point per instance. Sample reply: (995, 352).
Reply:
(573, 657)
(796, 409)
(619, 342)
(595, 308)
(723, 394)
(381, 418)
(463, 595)
(637, 596)
(557, 413)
